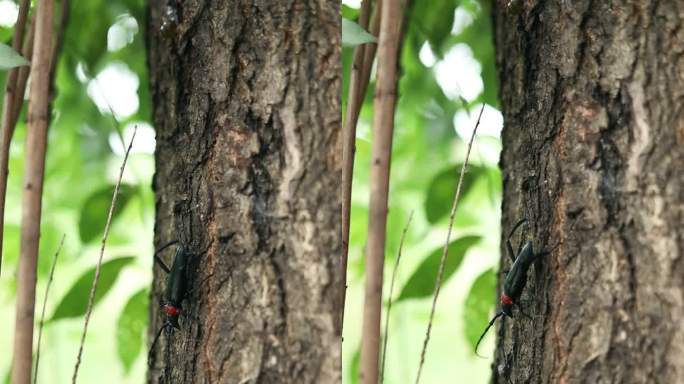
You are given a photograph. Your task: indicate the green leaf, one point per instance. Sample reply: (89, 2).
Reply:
(6, 33)
(130, 329)
(354, 366)
(9, 58)
(440, 194)
(94, 212)
(478, 305)
(87, 38)
(433, 21)
(353, 34)
(75, 302)
(349, 12)
(422, 283)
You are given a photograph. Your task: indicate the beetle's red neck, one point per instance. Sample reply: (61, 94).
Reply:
(171, 310)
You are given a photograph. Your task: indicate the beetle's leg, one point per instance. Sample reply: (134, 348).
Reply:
(509, 247)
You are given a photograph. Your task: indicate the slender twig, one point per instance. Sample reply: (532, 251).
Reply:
(369, 53)
(18, 101)
(42, 312)
(354, 102)
(389, 299)
(445, 251)
(93, 288)
(34, 169)
(7, 125)
(59, 39)
(383, 126)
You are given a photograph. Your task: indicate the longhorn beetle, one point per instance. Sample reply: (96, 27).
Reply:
(515, 279)
(176, 288)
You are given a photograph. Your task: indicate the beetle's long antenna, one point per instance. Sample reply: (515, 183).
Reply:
(518, 224)
(491, 322)
(163, 247)
(509, 247)
(154, 343)
(159, 260)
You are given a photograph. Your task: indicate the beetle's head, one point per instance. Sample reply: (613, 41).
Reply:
(172, 314)
(506, 305)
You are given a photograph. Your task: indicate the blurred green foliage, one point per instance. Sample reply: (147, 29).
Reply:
(91, 222)
(102, 70)
(353, 34)
(9, 58)
(478, 305)
(421, 284)
(445, 40)
(131, 327)
(74, 303)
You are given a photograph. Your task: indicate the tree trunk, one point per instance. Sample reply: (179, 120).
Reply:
(247, 111)
(592, 95)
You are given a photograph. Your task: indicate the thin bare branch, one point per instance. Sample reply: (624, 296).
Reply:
(36, 144)
(93, 288)
(389, 298)
(42, 312)
(383, 127)
(354, 102)
(369, 53)
(59, 38)
(7, 126)
(18, 101)
(445, 250)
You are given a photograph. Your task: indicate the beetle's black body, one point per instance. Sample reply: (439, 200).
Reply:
(515, 280)
(176, 284)
(176, 288)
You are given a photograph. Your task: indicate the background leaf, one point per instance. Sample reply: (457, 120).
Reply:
(9, 58)
(94, 212)
(440, 194)
(354, 365)
(478, 306)
(130, 329)
(422, 282)
(353, 34)
(75, 302)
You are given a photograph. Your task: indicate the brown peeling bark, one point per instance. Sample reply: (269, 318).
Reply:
(247, 111)
(592, 95)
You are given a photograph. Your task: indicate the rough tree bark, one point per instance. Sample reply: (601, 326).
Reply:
(247, 111)
(592, 95)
